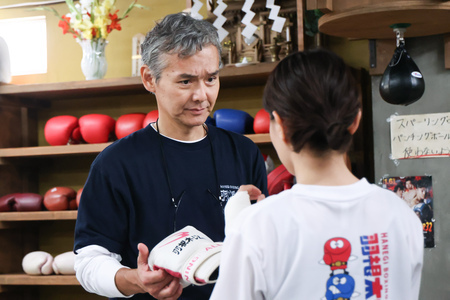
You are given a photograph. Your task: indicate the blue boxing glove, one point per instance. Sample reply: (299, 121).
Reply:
(234, 120)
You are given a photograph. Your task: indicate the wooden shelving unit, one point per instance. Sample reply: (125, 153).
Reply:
(19, 151)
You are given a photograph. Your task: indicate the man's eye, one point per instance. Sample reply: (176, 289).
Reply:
(212, 79)
(185, 81)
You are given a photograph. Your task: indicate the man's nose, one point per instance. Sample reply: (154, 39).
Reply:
(200, 92)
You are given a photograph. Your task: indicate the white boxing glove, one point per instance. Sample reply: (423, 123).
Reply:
(235, 205)
(37, 263)
(187, 254)
(63, 263)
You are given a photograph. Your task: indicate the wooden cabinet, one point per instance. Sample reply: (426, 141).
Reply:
(29, 164)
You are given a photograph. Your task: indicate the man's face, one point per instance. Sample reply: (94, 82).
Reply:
(421, 192)
(409, 185)
(188, 88)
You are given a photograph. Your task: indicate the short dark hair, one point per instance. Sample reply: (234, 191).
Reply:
(425, 182)
(316, 96)
(177, 34)
(399, 186)
(412, 179)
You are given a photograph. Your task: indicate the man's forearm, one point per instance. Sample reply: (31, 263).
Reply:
(126, 282)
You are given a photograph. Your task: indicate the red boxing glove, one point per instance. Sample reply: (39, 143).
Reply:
(151, 117)
(97, 128)
(129, 123)
(21, 202)
(76, 136)
(79, 196)
(279, 180)
(62, 130)
(261, 123)
(60, 198)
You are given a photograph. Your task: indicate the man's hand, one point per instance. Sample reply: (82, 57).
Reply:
(253, 192)
(159, 283)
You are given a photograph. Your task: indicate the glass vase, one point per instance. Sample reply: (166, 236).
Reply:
(93, 63)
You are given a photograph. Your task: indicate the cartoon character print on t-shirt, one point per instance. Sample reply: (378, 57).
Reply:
(340, 284)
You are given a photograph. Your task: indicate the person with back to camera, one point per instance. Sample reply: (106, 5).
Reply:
(331, 236)
(173, 173)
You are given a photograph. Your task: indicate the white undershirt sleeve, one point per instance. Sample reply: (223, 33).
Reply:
(96, 268)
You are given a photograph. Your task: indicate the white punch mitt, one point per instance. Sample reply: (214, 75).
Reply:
(237, 203)
(37, 263)
(187, 254)
(63, 263)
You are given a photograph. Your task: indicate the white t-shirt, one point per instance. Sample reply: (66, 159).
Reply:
(323, 242)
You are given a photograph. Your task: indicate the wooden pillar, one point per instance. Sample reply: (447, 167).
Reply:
(384, 50)
(301, 6)
(324, 6)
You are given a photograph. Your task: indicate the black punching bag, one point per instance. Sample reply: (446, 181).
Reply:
(402, 82)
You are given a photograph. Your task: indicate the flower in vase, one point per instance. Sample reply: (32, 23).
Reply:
(92, 19)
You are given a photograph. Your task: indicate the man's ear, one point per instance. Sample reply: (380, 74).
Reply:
(279, 126)
(354, 126)
(148, 79)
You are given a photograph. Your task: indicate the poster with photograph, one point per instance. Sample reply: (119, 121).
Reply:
(417, 192)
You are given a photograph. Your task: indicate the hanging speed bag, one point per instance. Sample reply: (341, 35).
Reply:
(402, 82)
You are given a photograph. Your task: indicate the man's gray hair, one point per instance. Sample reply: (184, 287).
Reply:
(177, 34)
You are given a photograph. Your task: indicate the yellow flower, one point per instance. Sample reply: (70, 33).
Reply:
(108, 5)
(101, 25)
(84, 26)
(100, 12)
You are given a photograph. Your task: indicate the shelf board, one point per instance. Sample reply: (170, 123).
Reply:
(24, 279)
(372, 19)
(230, 76)
(49, 151)
(260, 138)
(53, 151)
(38, 215)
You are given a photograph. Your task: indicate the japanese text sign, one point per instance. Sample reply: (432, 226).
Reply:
(420, 136)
